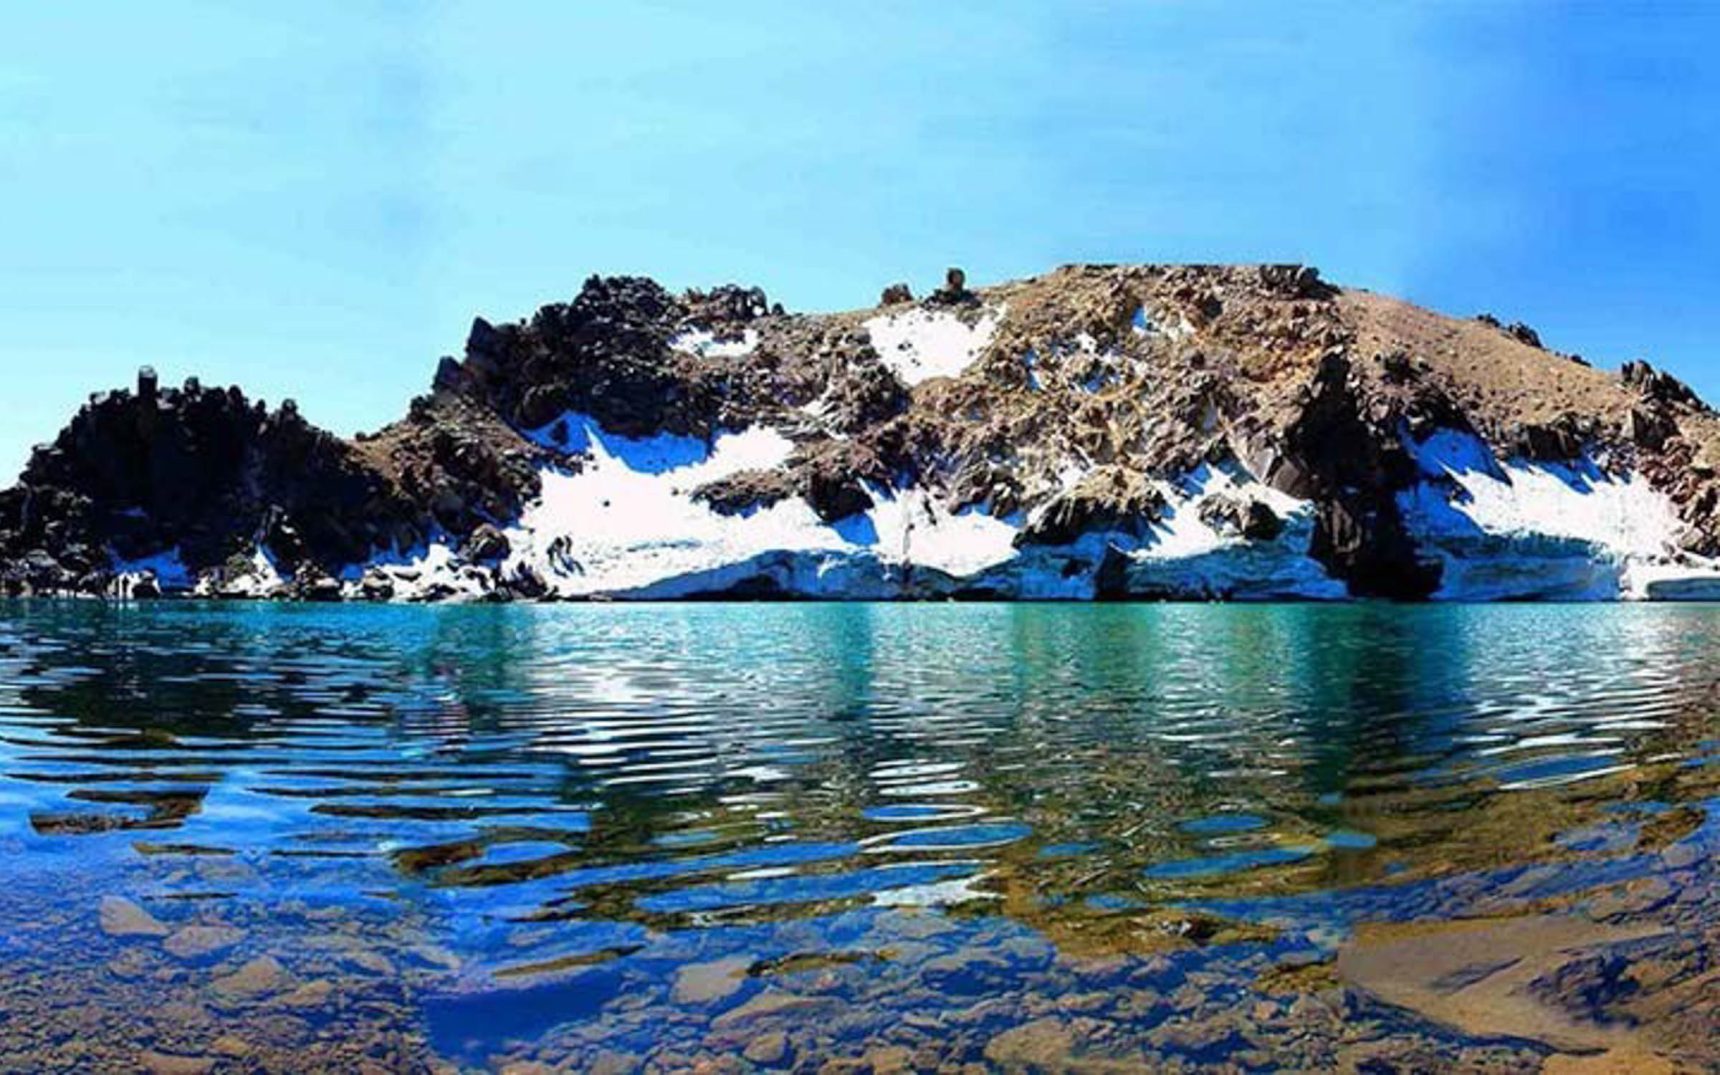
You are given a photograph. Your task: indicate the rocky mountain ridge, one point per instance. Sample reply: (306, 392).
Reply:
(1099, 431)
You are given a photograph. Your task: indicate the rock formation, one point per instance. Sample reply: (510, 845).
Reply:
(1099, 431)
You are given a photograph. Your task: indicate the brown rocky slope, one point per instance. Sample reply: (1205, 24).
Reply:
(1078, 422)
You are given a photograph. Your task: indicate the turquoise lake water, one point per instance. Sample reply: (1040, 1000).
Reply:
(608, 837)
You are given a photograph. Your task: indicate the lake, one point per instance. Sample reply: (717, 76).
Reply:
(852, 837)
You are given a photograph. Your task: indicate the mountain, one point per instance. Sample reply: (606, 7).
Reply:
(1191, 431)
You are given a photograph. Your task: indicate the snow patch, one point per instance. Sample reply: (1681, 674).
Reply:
(921, 344)
(1471, 491)
(923, 532)
(704, 343)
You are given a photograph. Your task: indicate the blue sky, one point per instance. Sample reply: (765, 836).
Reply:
(314, 199)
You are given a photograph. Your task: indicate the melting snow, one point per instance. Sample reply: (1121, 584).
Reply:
(1186, 555)
(1516, 528)
(1580, 502)
(432, 571)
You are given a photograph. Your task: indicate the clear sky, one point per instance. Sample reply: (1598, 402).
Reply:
(313, 199)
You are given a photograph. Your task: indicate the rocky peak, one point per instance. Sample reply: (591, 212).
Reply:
(203, 472)
(1658, 386)
(608, 353)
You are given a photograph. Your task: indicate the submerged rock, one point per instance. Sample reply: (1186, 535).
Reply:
(256, 979)
(200, 942)
(1042, 1045)
(704, 983)
(121, 917)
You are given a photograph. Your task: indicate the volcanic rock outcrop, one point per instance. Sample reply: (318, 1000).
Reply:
(1100, 431)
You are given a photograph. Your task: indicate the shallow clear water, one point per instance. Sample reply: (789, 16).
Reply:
(653, 835)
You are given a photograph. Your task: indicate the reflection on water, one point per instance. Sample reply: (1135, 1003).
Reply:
(656, 836)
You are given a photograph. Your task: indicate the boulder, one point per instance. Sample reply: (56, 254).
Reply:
(1292, 281)
(1248, 518)
(195, 943)
(835, 496)
(258, 978)
(1523, 334)
(1649, 426)
(895, 295)
(487, 544)
(954, 289)
(1559, 441)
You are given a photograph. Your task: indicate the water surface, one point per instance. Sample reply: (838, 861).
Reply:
(741, 837)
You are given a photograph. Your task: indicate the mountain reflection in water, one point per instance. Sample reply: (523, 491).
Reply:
(654, 837)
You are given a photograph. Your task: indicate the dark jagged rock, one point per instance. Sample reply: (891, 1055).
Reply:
(1650, 427)
(831, 478)
(1517, 330)
(1250, 519)
(1353, 468)
(605, 354)
(1109, 499)
(835, 496)
(608, 354)
(1111, 580)
(1523, 334)
(1558, 441)
(726, 308)
(203, 472)
(1294, 281)
(863, 396)
(1658, 386)
(458, 464)
(487, 544)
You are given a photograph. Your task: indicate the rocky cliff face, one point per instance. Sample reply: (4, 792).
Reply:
(1097, 432)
